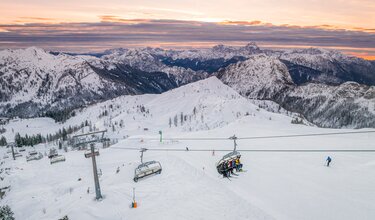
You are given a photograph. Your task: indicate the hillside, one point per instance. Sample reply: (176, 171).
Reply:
(274, 185)
(203, 105)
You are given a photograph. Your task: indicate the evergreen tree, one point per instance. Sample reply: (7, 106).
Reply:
(64, 134)
(6, 213)
(18, 140)
(3, 141)
(182, 118)
(175, 121)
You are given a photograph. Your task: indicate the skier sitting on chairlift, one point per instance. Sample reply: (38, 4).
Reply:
(227, 169)
(232, 166)
(238, 164)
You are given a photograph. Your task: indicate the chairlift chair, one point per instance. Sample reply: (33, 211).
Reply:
(52, 153)
(34, 156)
(32, 153)
(228, 157)
(57, 159)
(16, 154)
(147, 169)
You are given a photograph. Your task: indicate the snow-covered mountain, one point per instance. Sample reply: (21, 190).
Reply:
(267, 78)
(35, 82)
(327, 66)
(204, 105)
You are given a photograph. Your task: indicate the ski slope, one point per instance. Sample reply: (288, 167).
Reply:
(276, 185)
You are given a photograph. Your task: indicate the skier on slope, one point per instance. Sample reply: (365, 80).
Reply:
(329, 159)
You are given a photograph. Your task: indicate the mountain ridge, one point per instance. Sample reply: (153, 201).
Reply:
(35, 82)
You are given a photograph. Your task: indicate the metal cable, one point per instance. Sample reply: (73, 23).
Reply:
(258, 137)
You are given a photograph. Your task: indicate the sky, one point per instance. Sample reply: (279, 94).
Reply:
(96, 25)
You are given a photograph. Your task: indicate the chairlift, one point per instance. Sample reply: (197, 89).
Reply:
(232, 156)
(33, 155)
(16, 154)
(57, 159)
(147, 168)
(226, 158)
(52, 153)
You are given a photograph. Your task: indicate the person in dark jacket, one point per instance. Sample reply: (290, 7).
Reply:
(233, 166)
(329, 159)
(227, 168)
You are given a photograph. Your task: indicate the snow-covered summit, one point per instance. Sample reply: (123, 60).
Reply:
(202, 105)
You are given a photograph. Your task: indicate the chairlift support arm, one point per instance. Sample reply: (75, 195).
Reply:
(234, 138)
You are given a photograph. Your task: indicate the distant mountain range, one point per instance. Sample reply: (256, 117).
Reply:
(327, 87)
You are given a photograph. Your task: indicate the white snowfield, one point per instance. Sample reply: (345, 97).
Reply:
(275, 185)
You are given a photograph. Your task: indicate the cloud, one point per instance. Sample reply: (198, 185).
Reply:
(240, 22)
(112, 18)
(113, 31)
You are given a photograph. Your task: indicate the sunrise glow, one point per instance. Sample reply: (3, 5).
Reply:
(350, 22)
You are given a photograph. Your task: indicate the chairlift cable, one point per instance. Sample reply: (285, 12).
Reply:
(258, 137)
(252, 150)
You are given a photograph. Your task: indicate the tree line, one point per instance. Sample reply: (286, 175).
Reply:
(31, 140)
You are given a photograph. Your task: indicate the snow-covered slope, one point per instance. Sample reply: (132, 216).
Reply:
(202, 105)
(274, 185)
(267, 78)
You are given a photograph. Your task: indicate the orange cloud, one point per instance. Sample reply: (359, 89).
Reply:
(367, 57)
(26, 20)
(322, 26)
(113, 18)
(227, 22)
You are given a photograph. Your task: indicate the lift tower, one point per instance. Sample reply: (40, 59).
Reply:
(91, 138)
